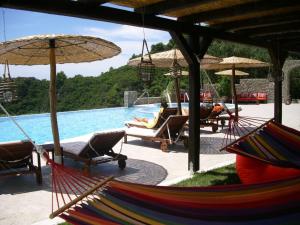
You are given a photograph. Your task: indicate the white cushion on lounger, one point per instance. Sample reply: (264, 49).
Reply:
(141, 131)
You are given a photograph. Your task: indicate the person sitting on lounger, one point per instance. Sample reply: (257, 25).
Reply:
(149, 123)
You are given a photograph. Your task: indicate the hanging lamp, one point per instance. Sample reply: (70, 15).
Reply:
(176, 69)
(8, 88)
(146, 69)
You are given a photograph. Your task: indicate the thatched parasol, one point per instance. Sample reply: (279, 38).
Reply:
(166, 58)
(232, 63)
(237, 62)
(52, 49)
(229, 73)
(170, 58)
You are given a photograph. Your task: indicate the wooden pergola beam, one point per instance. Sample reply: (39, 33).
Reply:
(109, 14)
(94, 2)
(280, 37)
(257, 22)
(271, 29)
(248, 8)
(168, 5)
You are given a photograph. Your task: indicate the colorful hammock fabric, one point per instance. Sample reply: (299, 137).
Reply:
(127, 203)
(276, 202)
(273, 143)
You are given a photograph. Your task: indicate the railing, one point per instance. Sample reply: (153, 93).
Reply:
(142, 96)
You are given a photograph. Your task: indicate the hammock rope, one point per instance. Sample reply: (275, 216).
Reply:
(67, 183)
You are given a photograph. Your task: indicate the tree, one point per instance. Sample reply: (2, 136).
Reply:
(159, 47)
(60, 79)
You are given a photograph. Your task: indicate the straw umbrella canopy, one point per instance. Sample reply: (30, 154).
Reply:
(166, 58)
(229, 73)
(53, 49)
(171, 59)
(232, 63)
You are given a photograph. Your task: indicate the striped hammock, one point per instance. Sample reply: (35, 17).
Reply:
(276, 202)
(272, 143)
(126, 203)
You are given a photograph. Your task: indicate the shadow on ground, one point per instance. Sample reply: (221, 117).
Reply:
(136, 171)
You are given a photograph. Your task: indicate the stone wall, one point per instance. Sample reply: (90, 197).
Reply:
(129, 98)
(256, 85)
(150, 100)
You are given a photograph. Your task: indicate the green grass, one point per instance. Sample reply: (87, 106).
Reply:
(221, 176)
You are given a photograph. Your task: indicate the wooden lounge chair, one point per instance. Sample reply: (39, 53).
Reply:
(166, 134)
(17, 158)
(99, 149)
(158, 121)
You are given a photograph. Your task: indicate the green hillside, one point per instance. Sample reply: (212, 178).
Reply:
(107, 89)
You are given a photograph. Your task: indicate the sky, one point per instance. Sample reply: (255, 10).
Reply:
(16, 24)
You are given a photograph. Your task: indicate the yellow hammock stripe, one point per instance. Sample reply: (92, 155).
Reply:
(99, 205)
(129, 213)
(270, 149)
(286, 133)
(254, 146)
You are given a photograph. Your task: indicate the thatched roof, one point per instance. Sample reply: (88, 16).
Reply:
(34, 50)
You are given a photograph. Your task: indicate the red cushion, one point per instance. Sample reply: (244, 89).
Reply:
(253, 171)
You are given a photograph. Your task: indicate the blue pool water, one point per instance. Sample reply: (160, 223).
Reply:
(71, 124)
(75, 123)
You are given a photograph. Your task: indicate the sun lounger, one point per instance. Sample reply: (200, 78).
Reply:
(157, 122)
(166, 134)
(99, 149)
(17, 158)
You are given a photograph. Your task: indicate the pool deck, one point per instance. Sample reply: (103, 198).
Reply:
(23, 202)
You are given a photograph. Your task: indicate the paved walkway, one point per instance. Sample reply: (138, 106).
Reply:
(23, 202)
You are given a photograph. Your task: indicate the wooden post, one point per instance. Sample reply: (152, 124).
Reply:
(53, 100)
(192, 46)
(194, 117)
(177, 87)
(234, 96)
(277, 57)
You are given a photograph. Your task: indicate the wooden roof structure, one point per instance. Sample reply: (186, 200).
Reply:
(257, 22)
(193, 24)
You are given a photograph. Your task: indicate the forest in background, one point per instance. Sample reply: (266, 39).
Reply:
(107, 89)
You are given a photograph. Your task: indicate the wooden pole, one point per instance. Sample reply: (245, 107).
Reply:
(178, 95)
(278, 56)
(53, 100)
(234, 92)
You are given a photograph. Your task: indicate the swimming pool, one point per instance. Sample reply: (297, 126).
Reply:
(71, 124)
(74, 123)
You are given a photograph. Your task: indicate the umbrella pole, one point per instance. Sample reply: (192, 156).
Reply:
(178, 95)
(53, 100)
(234, 92)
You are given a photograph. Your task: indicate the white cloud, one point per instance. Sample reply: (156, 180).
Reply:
(125, 32)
